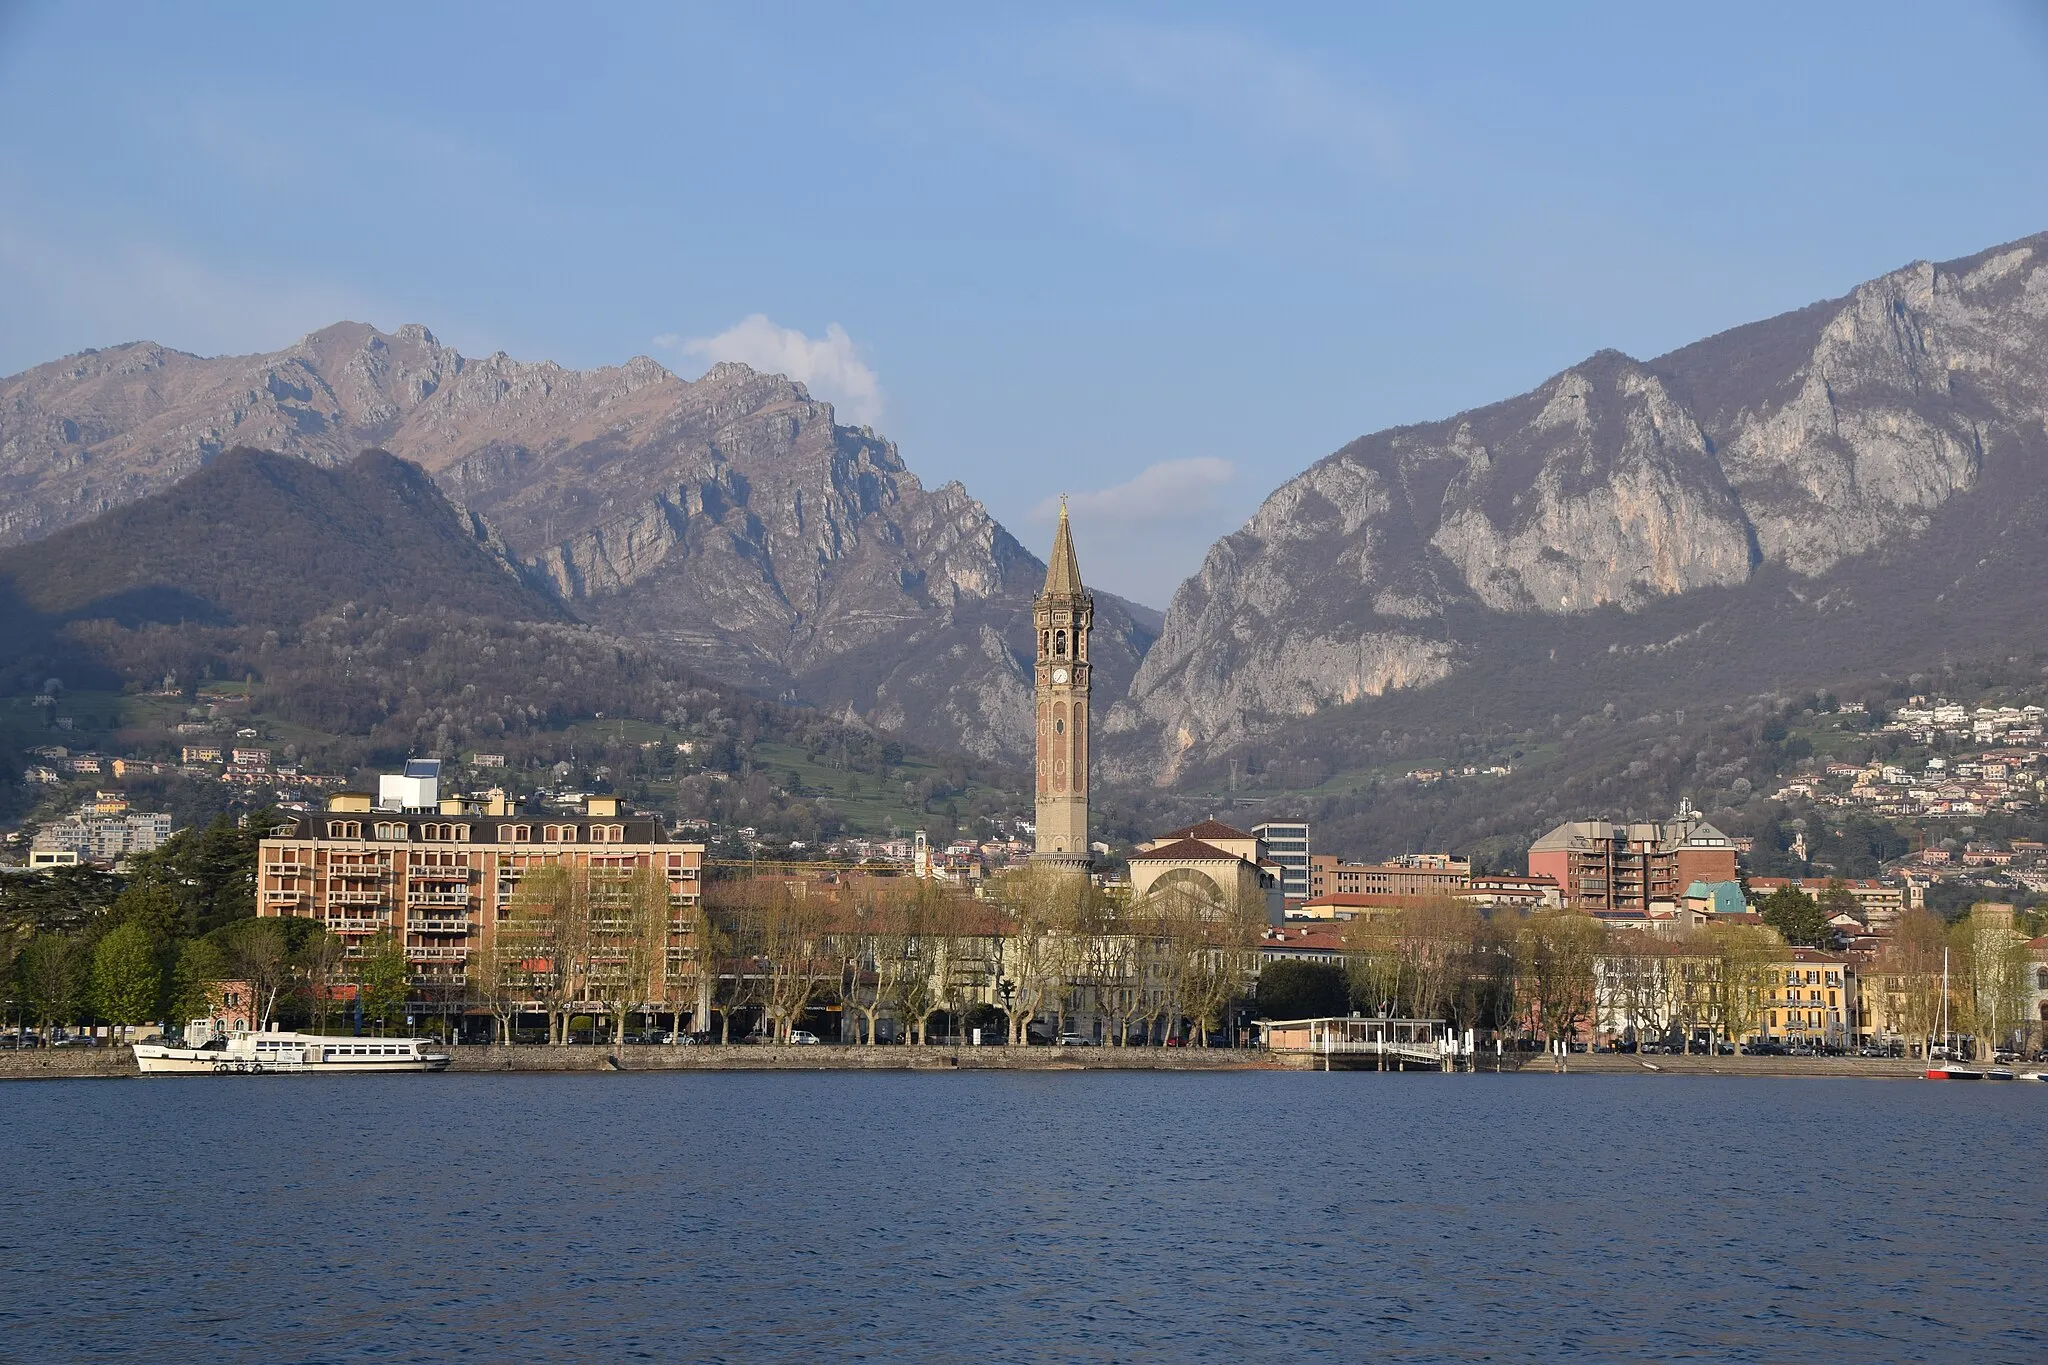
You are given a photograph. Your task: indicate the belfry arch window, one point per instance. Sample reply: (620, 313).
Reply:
(1059, 644)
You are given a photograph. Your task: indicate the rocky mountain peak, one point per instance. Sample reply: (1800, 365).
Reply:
(1800, 441)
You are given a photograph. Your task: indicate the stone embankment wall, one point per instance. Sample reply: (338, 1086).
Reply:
(852, 1058)
(54, 1063)
(1622, 1064)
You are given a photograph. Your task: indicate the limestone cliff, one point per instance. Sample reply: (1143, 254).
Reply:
(1798, 441)
(730, 518)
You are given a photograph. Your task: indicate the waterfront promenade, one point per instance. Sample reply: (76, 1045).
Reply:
(116, 1061)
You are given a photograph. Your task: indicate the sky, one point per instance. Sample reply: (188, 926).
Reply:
(1157, 258)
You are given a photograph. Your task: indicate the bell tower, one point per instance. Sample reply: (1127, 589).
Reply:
(1064, 614)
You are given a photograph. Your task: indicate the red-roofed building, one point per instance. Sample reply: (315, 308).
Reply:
(1212, 861)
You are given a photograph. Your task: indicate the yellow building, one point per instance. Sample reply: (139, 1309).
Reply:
(1810, 999)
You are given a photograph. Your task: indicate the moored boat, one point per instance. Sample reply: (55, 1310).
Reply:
(270, 1050)
(1955, 1073)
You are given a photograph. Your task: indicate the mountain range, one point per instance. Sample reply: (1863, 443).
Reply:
(1850, 485)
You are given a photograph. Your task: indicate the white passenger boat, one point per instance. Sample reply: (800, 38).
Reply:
(273, 1051)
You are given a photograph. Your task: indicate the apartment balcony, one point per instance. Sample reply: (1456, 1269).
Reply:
(438, 874)
(288, 869)
(445, 899)
(276, 896)
(415, 953)
(351, 925)
(441, 925)
(358, 872)
(346, 895)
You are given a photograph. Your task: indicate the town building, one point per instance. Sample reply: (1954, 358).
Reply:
(1211, 860)
(94, 836)
(1625, 868)
(1879, 904)
(441, 880)
(1286, 844)
(1410, 874)
(1810, 999)
(1322, 944)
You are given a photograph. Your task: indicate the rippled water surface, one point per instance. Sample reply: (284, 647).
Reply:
(1010, 1216)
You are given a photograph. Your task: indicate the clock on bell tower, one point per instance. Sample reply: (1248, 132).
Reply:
(1064, 614)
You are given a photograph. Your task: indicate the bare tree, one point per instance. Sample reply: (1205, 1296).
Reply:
(496, 978)
(325, 958)
(1910, 972)
(1373, 965)
(1990, 976)
(550, 916)
(256, 953)
(795, 954)
(1737, 961)
(1225, 962)
(629, 943)
(1556, 951)
(1044, 907)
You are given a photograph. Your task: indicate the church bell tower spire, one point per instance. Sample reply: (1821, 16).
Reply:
(1064, 614)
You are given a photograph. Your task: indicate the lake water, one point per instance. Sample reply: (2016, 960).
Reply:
(1070, 1216)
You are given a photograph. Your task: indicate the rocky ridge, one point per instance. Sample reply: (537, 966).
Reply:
(1798, 442)
(731, 519)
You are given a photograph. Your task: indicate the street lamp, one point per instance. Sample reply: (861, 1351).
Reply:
(1007, 989)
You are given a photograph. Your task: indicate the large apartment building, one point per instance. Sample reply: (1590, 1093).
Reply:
(1608, 868)
(441, 878)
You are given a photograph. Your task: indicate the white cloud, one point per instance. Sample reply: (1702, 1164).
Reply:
(1170, 490)
(829, 366)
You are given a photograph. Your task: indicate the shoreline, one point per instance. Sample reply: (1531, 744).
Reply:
(114, 1062)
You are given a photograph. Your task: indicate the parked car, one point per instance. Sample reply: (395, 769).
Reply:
(802, 1038)
(1075, 1040)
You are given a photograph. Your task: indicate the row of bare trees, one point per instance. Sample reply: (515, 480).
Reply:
(1043, 946)
(1049, 947)
(1988, 968)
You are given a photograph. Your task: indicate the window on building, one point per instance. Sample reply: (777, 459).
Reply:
(344, 829)
(519, 834)
(390, 830)
(1059, 644)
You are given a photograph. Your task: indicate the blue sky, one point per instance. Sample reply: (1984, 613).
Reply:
(1161, 258)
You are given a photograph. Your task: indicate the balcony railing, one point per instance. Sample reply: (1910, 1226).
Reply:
(418, 954)
(348, 925)
(439, 926)
(440, 898)
(439, 874)
(359, 872)
(346, 896)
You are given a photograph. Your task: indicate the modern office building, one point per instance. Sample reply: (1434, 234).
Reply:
(1287, 845)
